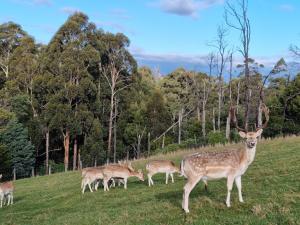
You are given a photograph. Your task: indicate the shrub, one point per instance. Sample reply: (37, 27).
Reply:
(216, 138)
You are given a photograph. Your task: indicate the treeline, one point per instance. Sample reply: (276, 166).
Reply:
(81, 100)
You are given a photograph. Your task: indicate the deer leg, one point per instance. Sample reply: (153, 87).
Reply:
(89, 184)
(167, 178)
(8, 199)
(229, 188)
(125, 183)
(205, 185)
(172, 177)
(189, 186)
(238, 182)
(1, 199)
(12, 199)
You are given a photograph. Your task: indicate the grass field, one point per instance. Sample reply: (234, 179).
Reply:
(271, 190)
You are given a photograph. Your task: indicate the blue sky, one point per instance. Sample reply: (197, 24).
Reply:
(168, 33)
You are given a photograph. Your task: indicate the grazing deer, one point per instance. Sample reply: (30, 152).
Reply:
(161, 166)
(117, 171)
(91, 175)
(230, 164)
(6, 190)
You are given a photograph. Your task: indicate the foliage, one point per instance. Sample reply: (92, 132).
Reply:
(216, 138)
(19, 148)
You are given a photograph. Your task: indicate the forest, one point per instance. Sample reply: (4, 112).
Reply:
(82, 100)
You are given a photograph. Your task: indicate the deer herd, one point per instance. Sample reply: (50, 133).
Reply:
(231, 164)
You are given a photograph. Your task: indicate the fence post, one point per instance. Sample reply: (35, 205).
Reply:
(14, 174)
(32, 172)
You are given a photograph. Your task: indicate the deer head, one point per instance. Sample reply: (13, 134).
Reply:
(251, 137)
(140, 175)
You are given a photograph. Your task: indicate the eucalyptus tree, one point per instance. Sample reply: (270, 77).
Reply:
(117, 66)
(10, 37)
(68, 57)
(177, 88)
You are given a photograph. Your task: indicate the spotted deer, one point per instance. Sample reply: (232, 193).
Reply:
(6, 191)
(93, 175)
(231, 163)
(118, 171)
(161, 166)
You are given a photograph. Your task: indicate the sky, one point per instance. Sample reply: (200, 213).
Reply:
(166, 34)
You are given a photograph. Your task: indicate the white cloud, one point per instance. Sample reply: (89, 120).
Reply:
(69, 10)
(286, 7)
(187, 7)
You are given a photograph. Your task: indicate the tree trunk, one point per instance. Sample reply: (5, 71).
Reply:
(67, 149)
(214, 121)
(75, 154)
(198, 113)
(139, 146)
(47, 151)
(149, 144)
(247, 102)
(79, 160)
(179, 125)
(219, 108)
(238, 98)
(228, 127)
(110, 126)
(115, 132)
(203, 118)
(259, 116)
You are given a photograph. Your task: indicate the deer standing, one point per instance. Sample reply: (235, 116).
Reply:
(6, 190)
(230, 164)
(117, 171)
(161, 166)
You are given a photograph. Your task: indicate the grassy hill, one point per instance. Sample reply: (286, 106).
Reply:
(271, 189)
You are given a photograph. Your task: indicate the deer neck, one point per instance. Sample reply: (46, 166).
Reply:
(250, 154)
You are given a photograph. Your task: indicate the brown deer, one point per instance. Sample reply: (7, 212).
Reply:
(161, 166)
(92, 175)
(230, 164)
(117, 171)
(6, 190)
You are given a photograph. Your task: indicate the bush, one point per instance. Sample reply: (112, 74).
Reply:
(216, 138)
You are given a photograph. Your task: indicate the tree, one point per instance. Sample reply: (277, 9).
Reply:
(239, 14)
(10, 37)
(21, 151)
(116, 66)
(221, 45)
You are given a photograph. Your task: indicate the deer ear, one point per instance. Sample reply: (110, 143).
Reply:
(259, 132)
(242, 134)
(0, 176)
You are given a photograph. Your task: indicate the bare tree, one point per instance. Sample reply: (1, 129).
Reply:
(236, 17)
(230, 97)
(221, 45)
(112, 72)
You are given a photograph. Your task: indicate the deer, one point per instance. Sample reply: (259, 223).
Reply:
(117, 171)
(6, 190)
(161, 166)
(230, 164)
(92, 175)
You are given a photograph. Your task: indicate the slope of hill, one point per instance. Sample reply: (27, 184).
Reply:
(271, 189)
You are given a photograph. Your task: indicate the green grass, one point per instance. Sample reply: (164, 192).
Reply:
(271, 190)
